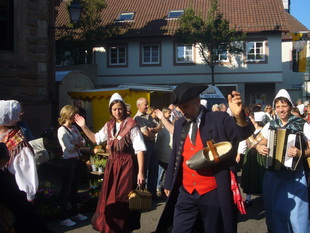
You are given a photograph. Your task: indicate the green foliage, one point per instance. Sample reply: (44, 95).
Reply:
(88, 31)
(98, 160)
(212, 34)
(101, 162)
(93, 159)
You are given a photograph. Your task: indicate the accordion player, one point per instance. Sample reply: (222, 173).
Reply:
(279, 141)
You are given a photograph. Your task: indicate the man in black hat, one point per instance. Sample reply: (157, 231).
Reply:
(203, 196)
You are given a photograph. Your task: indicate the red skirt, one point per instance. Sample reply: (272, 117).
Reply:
(112, 214)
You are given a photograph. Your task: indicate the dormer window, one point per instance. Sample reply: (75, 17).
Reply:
(175, 14)
(125, 17)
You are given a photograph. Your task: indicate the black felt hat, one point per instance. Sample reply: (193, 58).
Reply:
(187, 91)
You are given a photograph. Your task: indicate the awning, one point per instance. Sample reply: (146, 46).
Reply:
(89, 95)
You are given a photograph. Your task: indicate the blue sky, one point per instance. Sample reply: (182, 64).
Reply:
(300, 9)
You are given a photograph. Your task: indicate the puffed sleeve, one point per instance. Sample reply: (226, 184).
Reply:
(102, 135)
(137, 139)
(307, 131)
(265, 130)
(25, 172)
(242, 147)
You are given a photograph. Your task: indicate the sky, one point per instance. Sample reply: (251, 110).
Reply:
(300, 9)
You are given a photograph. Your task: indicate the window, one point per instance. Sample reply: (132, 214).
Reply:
(150, 54)
(184, 53)
(222, 54)
(6, 25)
(175, 14)
(255, 51)
(125, 17)
(117, 55)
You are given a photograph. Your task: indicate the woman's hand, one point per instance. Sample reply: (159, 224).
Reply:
(293, 152)
(79, 120)
(140, 179)
(159, 114)
(238, 157)
(262, 149)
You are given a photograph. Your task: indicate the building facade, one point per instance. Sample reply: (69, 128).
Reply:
(147, 52)
(26, 59)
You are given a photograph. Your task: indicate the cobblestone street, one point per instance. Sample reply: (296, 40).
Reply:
(252, 222)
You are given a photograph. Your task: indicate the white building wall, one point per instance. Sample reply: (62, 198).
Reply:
(169, 73)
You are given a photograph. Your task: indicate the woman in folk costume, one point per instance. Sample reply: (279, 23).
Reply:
(123, 170)
(21, 169)
(13, 202)
(285, 190)
(253, 168)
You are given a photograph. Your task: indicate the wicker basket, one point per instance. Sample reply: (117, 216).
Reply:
(140, 199)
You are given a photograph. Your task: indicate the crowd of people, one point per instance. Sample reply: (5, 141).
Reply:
(153, 148)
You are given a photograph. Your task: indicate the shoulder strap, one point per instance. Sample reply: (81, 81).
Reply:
(72, 136)
(67, 129)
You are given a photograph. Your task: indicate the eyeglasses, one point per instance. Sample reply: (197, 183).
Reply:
(269, 108)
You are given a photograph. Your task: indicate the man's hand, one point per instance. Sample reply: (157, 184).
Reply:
(235, 103)
(167, 192)
(235, 106)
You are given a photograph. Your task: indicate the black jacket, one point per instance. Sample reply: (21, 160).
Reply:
(216, 126)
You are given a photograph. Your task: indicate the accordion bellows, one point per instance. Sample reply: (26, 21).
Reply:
(140, 199)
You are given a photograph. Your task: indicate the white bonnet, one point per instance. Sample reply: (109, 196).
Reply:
(9, 112)
(301, 109)
(258, 116)
(203, 102)
(116, 96)
(283, 93)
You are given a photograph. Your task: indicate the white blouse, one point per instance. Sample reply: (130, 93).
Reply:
(135, 136)
(23, 167)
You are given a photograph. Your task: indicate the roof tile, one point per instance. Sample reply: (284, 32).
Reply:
(150, 17)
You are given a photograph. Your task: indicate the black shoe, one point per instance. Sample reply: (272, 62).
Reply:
(248, 203)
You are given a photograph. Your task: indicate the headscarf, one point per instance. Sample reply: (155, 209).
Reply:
(9, 112)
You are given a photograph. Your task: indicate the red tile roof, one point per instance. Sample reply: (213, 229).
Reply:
(293, 26)
(150, 15)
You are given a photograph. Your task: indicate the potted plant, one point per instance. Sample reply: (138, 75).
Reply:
(101, 162)
(93, 161)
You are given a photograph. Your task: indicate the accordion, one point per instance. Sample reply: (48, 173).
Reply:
(278, 143)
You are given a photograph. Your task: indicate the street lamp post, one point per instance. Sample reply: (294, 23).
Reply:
(306, 81)
(75, 10)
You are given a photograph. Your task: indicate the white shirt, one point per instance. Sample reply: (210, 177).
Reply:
(135, 136)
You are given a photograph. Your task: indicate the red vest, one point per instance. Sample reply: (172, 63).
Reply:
(204, 181)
